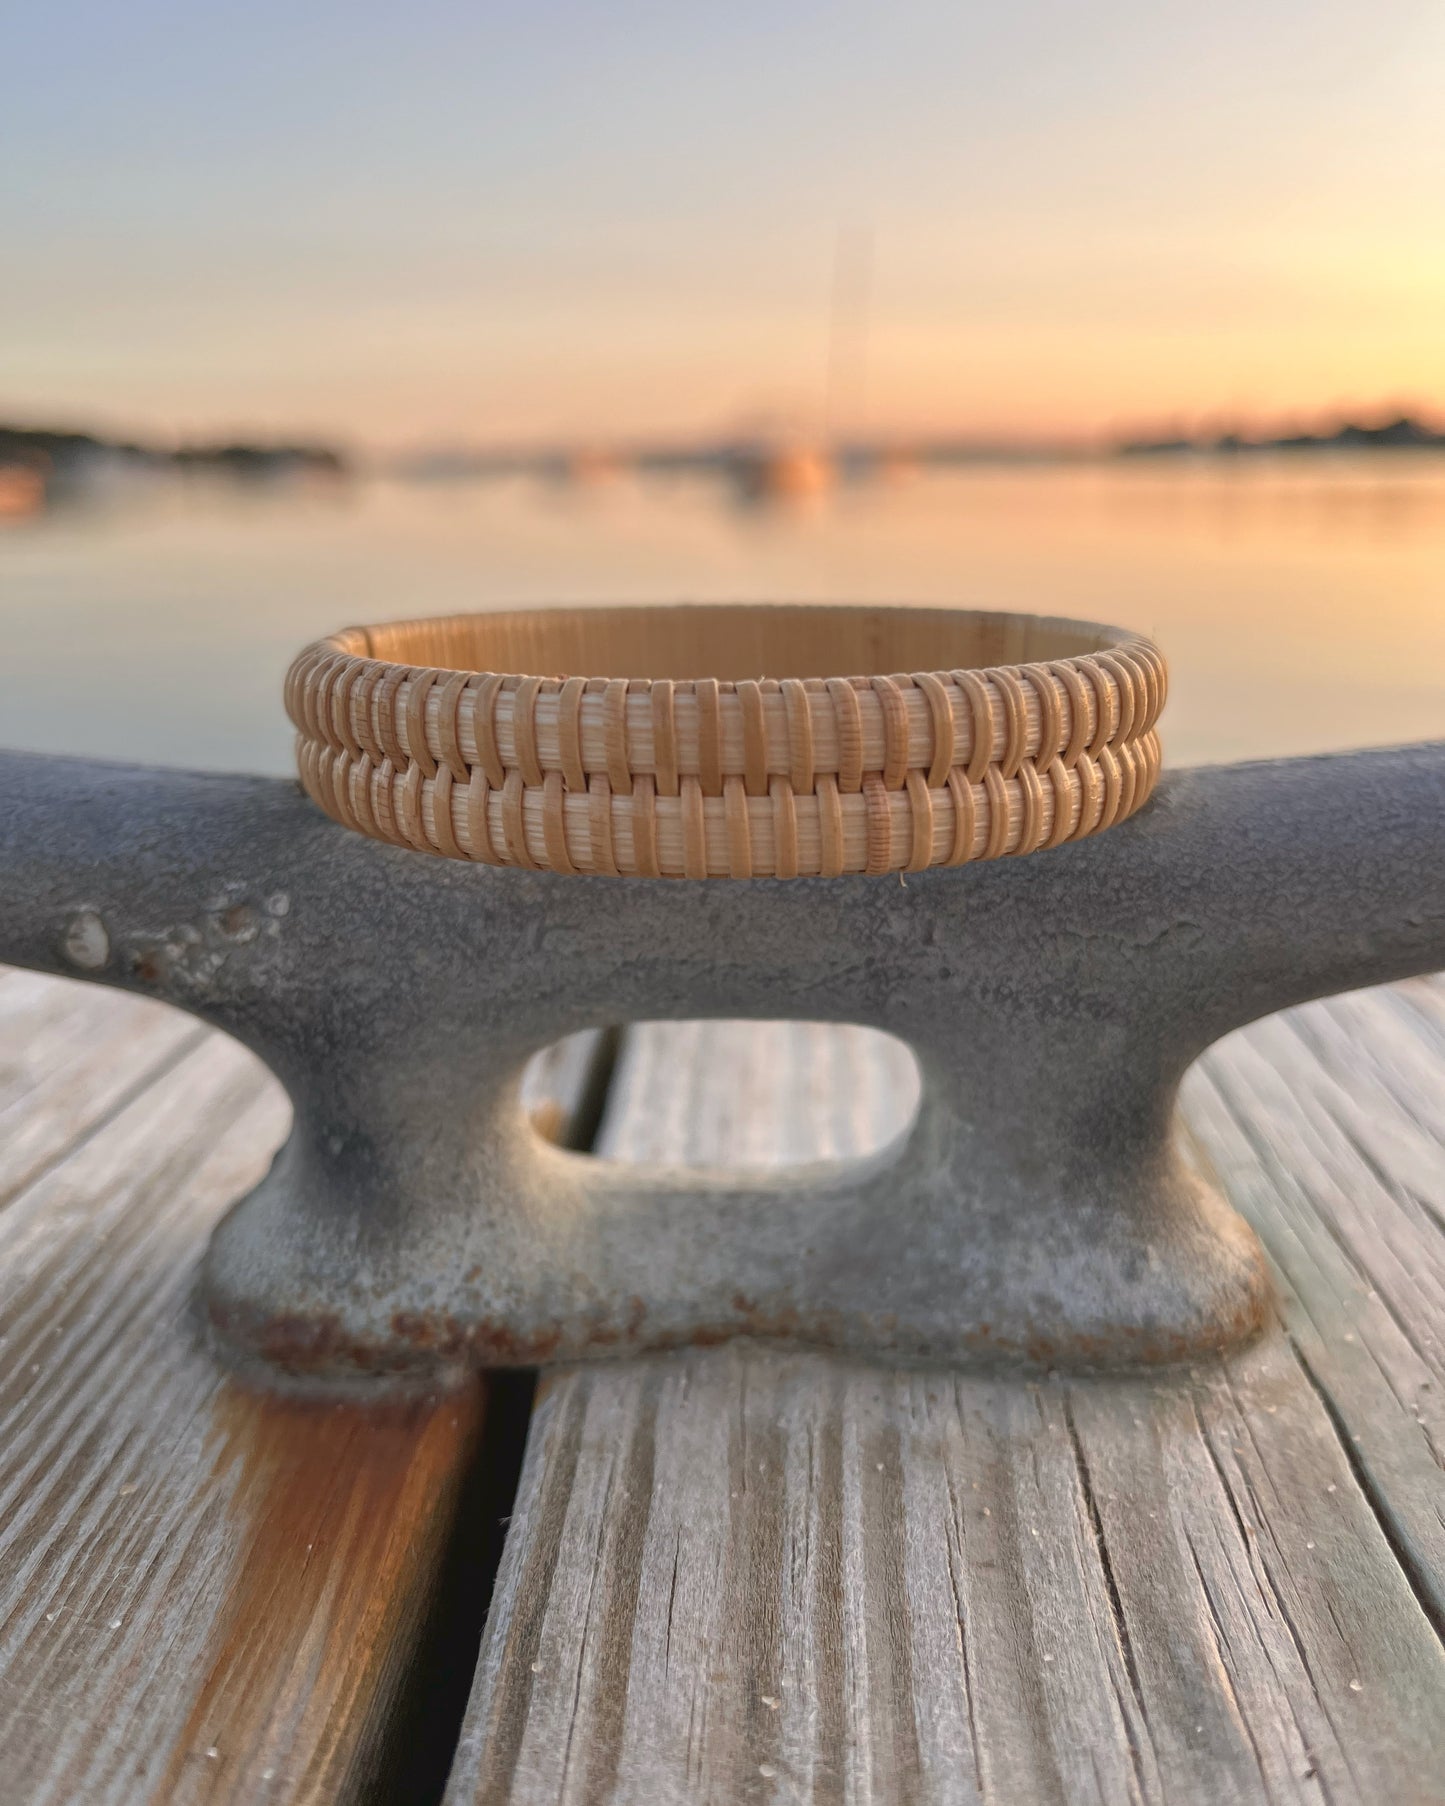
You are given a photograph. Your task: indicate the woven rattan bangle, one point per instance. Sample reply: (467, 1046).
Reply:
(466, 736)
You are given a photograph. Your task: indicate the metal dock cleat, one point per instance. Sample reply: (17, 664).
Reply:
(1038, 1210)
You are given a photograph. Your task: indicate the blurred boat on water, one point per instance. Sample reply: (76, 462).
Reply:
(23, 489)
(767, 471)
(583, 467)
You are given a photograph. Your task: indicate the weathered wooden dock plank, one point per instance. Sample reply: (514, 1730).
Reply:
(206, 1592)
(1327, 1126)
(746, 1575)
(68, 1063)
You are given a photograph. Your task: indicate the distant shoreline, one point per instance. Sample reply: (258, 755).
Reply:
(1404, 433)
(58, 451)
(56, 458)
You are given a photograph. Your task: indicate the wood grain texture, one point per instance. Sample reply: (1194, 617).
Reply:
(745, 1575)
(206, 1592)
(704, 1093)
(67, 1066)
(1327, 1126)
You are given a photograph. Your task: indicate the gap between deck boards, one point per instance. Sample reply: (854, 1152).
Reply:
(568, 1089)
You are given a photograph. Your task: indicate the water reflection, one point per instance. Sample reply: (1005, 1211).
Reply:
(1299, 601)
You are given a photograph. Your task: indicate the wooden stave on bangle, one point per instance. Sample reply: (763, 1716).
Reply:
(729, 776)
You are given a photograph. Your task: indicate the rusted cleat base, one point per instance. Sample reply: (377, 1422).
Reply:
(867, 1257)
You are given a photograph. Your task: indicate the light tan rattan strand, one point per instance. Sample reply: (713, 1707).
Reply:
(462, 736)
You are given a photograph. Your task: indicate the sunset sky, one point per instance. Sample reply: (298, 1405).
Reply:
(477, 221)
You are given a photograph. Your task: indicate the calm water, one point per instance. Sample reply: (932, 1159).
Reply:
(1302, 605)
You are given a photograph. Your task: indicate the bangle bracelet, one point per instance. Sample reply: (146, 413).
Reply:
(469, 736)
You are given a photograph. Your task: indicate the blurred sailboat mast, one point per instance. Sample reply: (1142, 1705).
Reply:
(845, 395)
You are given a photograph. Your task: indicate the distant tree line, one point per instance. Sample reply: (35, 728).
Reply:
(1405, 433)
(52, 449)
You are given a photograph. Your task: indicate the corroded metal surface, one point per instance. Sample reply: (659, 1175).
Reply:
(1038, 1208)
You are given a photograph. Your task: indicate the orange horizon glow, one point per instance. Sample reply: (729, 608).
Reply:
(1032, 376)
(572, 223)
